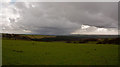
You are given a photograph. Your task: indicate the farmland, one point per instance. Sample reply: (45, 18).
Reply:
(23, 52)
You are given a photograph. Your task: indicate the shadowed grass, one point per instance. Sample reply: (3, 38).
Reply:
(20, 52)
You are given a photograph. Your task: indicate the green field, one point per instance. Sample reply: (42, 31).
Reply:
(20, 52)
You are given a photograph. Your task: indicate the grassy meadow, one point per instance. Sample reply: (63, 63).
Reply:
(23, 52)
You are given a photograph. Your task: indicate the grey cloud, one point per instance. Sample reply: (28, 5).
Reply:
(65, 17)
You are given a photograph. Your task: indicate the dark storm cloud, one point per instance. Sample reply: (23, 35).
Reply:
(53, 31)
(65, 17)
(97, 14)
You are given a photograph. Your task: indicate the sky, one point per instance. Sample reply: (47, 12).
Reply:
(59, 18)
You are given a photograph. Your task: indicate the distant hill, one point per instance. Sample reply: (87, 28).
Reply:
(72, 35)
(100, 39)
(25, 36)
(96, 36)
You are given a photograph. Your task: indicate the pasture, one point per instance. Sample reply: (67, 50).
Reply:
(21, 52)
